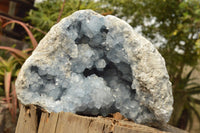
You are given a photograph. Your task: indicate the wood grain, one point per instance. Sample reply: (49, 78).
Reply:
(28, 120)
(33, 121)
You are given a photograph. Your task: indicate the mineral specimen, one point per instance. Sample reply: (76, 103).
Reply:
(95, 65)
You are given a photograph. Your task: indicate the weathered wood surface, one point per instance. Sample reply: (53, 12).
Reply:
(33, 120)
(27, 121)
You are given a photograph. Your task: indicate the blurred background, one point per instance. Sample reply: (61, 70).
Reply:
(173, 26)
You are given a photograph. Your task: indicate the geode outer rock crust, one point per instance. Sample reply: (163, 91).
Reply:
(95, 65)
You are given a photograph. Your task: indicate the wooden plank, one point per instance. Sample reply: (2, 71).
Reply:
(64, 122)
(134, 128)
(29, 3)
(75, 124)
(72, 124)
(48, 123)
(27, 121)
(170, 128)
(9, 42)
(97, 126)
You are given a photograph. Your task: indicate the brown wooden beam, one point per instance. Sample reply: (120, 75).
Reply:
(9, 16)
(34, 120)
(7, 41)
(29, 3)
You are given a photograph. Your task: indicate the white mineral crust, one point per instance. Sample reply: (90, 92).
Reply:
(95, 65)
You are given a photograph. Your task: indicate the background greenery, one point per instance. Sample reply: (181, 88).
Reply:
(174, 25)
(48, 12)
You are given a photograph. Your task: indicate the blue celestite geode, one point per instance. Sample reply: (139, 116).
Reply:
(95, 65)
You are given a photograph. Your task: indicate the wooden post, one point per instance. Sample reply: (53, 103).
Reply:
(34, 120)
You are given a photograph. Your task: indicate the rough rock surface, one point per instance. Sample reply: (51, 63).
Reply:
(95, 65)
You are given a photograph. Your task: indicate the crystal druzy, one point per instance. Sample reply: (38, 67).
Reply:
(96, 65)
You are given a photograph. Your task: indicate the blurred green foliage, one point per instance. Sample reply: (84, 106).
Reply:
(178, 22)
(48, 11)
(11, 60)
(8, 65)
(9, 69)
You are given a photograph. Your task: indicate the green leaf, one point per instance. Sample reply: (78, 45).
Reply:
(183, 5)
(197, 11)
(189, 74)
(194, 100)
(196, 113)
(190, 121)
(1, 92)
(193, 90)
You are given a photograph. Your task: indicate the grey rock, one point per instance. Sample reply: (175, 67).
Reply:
(95, 65)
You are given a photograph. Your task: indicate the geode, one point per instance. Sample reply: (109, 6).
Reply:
(96, 65)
